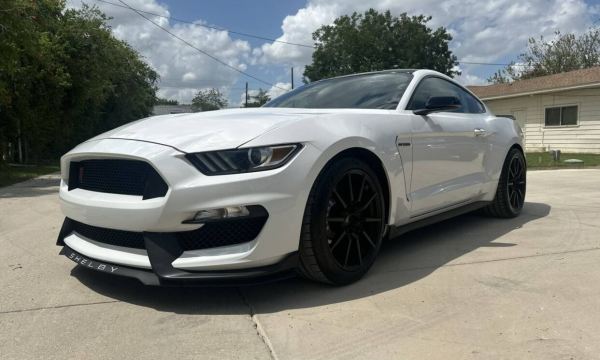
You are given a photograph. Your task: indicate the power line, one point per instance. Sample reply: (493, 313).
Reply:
(187, 88)
(206, 26)
(203, 52)
(208, 80)
(495, 64)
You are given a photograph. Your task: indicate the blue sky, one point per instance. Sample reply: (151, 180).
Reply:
(493, 31)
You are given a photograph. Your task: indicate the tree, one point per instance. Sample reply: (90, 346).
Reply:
(163, 101)
(377, 41)
(64, 77)
(259, 99)
(209, 100)
(565, 53)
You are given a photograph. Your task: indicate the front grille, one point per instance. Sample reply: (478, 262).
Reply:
(122, 238)
(117, 176)
(211, 235)
(222, 233)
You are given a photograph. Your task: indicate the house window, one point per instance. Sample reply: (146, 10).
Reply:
(562, 115)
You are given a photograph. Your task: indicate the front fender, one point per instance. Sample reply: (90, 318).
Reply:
(333, 135)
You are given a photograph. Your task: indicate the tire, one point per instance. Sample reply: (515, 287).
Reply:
(343, 224)
(510, 194)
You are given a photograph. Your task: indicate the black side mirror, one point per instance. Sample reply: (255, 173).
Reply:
(439, 103)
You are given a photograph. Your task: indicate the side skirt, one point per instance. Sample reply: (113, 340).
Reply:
(399, 230)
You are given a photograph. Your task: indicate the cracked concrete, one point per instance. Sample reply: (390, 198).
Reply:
(468, 288)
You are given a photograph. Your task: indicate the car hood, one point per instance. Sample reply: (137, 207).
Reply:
(207, 131)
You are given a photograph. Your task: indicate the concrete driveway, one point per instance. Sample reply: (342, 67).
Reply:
(468, 288)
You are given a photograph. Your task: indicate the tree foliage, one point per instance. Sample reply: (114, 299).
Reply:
(209, 100)
(378, 41)
(163, 101)
(259, 99)
(565, 53)
(65, 78)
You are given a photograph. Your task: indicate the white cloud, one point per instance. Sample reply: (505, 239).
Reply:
(184, 70)
(483, 31)
(279, 89)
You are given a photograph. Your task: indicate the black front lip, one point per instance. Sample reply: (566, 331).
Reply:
(163, 250)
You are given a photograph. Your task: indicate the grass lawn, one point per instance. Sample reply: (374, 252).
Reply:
(533, 160)
(13, 174)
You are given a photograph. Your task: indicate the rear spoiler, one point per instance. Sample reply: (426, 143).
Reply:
(507, 116)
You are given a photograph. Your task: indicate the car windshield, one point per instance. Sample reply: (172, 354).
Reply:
(369, 91)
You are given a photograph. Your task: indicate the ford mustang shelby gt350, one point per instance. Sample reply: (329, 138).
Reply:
(311, 183)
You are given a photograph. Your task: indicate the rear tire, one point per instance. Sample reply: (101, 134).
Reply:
(343, 223)
(510, 195)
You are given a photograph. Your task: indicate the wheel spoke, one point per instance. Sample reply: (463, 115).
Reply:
(364, 207)
(368, 239)
(338, 240)
(340, 198)
(362, 187)
(335, 219)
(358, 247)
(372, 220)
(350, 186)
(510, 198)
(521, 194)
(348, 251)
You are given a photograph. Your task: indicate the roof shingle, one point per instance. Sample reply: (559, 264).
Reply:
(556, 81)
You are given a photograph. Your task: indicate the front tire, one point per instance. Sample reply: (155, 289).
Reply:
(343, 223)
(510, 195)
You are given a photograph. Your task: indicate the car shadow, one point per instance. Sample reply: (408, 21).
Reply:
(402, 261)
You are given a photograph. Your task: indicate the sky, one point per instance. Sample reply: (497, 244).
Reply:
(494, 31)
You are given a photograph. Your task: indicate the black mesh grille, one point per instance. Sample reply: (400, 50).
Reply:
(122, 238)
(222, 233)
(126, 177)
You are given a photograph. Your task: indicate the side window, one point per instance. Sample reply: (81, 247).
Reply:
(434, 86)
(475, 106)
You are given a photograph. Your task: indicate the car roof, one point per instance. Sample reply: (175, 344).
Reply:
(407, 71)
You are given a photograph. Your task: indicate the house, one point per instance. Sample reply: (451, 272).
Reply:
(556, 112)
(171, 109)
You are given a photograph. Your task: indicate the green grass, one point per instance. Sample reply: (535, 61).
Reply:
(533, 160)
(13, 174)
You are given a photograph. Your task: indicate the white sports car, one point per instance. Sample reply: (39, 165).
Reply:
(311, 183)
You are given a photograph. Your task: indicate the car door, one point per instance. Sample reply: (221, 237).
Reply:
(447, 155)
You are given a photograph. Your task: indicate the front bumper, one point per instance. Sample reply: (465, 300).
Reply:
(282, 192)
(162, 251)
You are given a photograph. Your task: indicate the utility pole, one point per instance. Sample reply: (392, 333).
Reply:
(246, 94)
(292, 78)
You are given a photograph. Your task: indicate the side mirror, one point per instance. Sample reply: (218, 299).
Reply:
(439, 103)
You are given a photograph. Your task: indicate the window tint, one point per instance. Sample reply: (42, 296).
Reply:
(475, 106)
(561, 115)
(569, 115)
(434, 86)
(370, 91)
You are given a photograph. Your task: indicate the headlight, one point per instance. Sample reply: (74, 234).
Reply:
(243, 160)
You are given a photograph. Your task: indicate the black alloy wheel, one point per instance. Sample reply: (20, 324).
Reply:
(354, 219)
(510, 194)
(516, 184)
(343, 223)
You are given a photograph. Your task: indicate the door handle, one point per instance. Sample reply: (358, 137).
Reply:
(479, 132)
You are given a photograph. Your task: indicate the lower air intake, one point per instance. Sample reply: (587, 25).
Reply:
(128, 239)
(221, 233)
(210, 235)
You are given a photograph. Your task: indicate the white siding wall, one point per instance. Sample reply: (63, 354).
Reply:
(585, 137)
